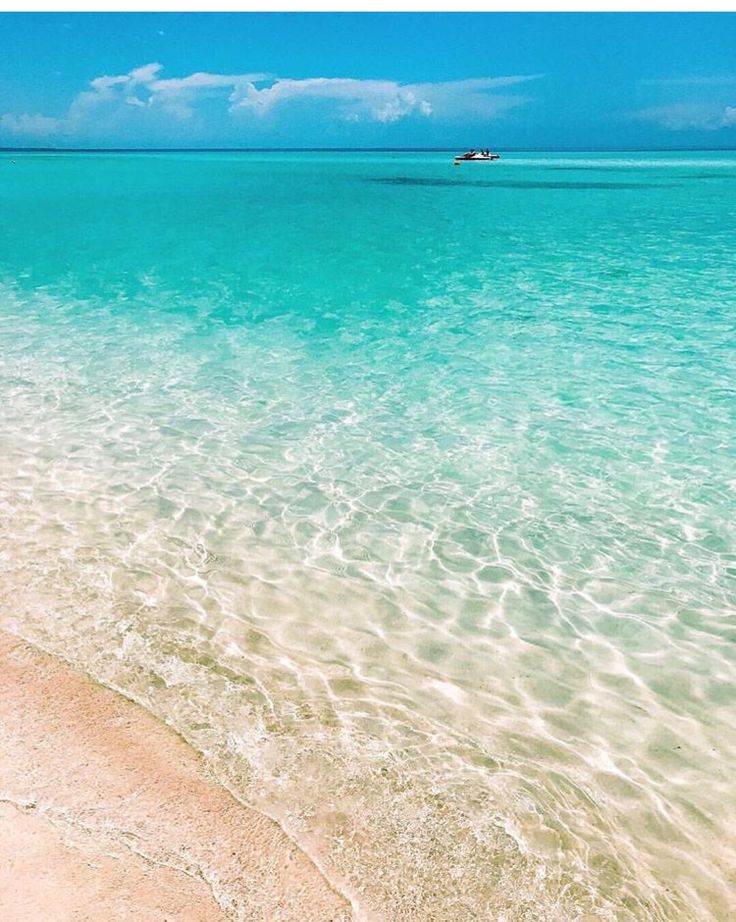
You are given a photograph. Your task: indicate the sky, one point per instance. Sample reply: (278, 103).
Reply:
(539, 80)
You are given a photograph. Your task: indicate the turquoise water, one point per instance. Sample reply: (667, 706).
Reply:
(407, 493)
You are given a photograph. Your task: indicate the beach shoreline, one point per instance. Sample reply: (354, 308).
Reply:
(107, 812)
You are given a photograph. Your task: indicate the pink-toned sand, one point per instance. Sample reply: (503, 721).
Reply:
(106, 815)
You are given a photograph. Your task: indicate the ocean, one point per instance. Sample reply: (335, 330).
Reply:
(406, 493)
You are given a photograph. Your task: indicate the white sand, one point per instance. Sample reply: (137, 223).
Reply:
(106, 814)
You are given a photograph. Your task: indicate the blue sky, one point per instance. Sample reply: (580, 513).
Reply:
(250, 80)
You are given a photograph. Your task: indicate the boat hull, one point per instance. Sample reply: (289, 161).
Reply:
(459, 160)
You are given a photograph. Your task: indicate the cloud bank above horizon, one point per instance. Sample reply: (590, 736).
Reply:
(143, 105)
(145, 108)
(702, 102)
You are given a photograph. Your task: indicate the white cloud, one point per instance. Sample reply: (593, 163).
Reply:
(696, 80)
(478, 97)
(684, 116)
(385, 100)
(201, 80)
(36, 126)
(694, 102)
(144, 88)
(378, 100)
(142, 100)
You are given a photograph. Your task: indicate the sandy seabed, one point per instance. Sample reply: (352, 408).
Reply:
(105, 813)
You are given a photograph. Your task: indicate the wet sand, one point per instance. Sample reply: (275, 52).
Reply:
(105, 813)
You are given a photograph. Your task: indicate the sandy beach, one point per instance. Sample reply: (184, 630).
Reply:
(105, 813)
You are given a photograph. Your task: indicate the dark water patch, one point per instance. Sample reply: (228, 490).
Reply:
(511, 183)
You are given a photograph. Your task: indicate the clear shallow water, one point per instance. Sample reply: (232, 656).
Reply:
(406, 493)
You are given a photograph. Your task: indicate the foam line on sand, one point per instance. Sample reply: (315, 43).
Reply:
(105, 813)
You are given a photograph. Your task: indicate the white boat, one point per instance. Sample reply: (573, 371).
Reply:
(476, 156)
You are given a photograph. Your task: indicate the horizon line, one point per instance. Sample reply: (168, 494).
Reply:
(204, 150)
